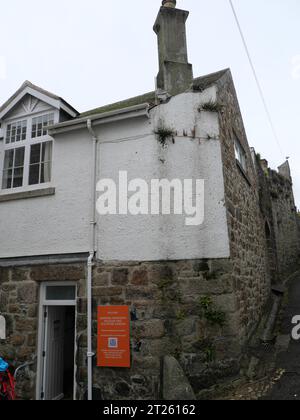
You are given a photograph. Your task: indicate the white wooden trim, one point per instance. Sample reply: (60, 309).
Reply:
(26, 143)
(43, 304)
(55, 103)
(32, 114)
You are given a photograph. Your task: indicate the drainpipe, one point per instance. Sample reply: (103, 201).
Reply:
(92, 235)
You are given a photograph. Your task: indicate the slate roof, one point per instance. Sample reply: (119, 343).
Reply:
(199, 83)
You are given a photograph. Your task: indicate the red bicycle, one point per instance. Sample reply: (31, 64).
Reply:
(7, 385)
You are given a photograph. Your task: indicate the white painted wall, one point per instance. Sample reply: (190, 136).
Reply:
(56, 224)
(60, 224)
(166, 237)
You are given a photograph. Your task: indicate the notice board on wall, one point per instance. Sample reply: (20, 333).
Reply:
(113, 336)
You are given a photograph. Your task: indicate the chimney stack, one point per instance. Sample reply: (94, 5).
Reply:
(175, 73)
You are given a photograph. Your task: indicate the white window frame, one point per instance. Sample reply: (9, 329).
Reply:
(240, 154)
(10, 137)
(27, 144)
(14, 167)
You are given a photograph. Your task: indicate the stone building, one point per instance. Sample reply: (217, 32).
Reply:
(195, 291)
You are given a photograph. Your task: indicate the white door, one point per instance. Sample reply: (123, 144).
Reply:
(53, 385)
(54, 375)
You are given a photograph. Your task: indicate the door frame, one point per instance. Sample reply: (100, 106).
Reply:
(43, 303)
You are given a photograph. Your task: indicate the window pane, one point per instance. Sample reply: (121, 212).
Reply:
(45, 172)
(40, 163)
(18, 135)
(19, 157)
(60, 293)
(34, 174)
(13, 134)
(18, 178)
(13, 168)
(46, 151)
(35, 153)
(240, 154)
(7, 179)
(40, 124)
(16, 131)
(9, 159)
(8, 132)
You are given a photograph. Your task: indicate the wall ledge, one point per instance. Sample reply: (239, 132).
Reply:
(43, 192)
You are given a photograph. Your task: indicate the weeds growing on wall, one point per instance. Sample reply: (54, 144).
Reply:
(211, 106)
(213, 315)
(164, 135)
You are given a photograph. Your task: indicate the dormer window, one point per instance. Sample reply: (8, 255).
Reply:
(26, 150)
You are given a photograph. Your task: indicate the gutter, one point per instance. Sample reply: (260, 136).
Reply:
(92, 237)
(137, 111)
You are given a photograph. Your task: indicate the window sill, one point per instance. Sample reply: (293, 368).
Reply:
(42, 192)
(243, 172)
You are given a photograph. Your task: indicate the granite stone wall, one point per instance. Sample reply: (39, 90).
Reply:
(19, 302)
(249, 250)
(284, 214)
(186, 309)
(281, 220)
(169, 317)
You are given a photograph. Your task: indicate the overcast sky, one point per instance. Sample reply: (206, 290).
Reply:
(95, 52)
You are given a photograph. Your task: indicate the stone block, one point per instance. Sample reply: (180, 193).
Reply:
(134, 293)
(120, 277)
(222, 266)
(4, 275)
(20, 274)
(58, 272)
(158, 273)
(107, 291)
(27, 293)
(3, 302)
(176, 386)
(148, 363)
(17, 340)
(187, 326)
(149, 329)
(101, 280)
(225, 303)
(26, 324)
(139, 278)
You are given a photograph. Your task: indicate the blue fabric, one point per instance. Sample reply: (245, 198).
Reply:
(3, 365)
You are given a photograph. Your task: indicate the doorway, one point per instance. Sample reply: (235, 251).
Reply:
(56, 361)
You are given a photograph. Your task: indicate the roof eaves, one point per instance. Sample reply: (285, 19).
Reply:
(26, 84)
(101, 118)
(137, 100)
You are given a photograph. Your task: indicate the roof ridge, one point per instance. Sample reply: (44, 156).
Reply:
(202, 81)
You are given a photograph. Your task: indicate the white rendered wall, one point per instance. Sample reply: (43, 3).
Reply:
(56, 224)
(150, 238)
(59, 224)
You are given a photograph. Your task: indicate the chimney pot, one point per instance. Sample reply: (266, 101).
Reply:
(169, 3)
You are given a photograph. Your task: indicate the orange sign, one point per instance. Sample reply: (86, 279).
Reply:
(113, 336)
